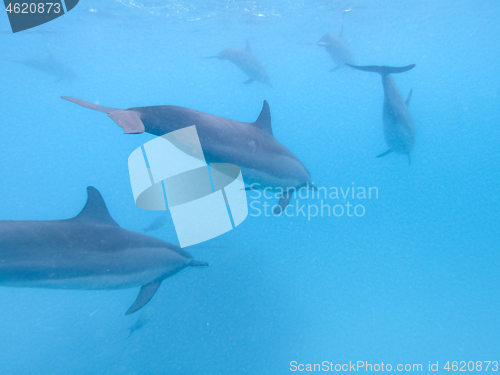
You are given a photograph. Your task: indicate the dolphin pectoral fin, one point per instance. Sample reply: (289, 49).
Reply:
(129, 121)
(336, 68)
(312, 186)
(145, 294)
(283, 202)
(249, 81)
(384, 153)
(409, 159)
(408, 99)
(95, 107)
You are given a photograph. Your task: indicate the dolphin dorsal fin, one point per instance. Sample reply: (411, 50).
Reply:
(263, 122)
(95, 209)
(341, 35)
(247, 47)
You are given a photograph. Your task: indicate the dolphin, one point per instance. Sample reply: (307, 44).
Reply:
(50, 66)
(158, 223)
(264, 162)
(337, 48)
(399, 130)
(142, 320)
(90, 251)
(246, 61)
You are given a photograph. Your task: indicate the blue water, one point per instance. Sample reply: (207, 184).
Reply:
(415, 279)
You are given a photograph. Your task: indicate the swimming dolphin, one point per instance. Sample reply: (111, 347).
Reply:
(264, 161)
(399, 130)
(142, 320)
(157, 223)
(50, 66)
(90, 251)
(246, 61)
(337, 48)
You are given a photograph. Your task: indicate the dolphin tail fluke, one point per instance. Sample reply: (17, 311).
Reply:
(384, 153)
(283, 202)
(383, 70)
(248, 81)
(196, 263)
(145, 294)
(336, 68)
(129, 121)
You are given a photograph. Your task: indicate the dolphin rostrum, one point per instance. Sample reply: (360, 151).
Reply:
(399, 130)
(246, 61)
(90, 251)
(264, 161)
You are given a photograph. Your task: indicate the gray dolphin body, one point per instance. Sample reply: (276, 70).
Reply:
(90, 251)
(251, 146)
(338, 50)
(50, 66)
(246, 61)
(399, 130)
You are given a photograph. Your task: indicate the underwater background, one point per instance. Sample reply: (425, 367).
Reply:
(415, 279)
